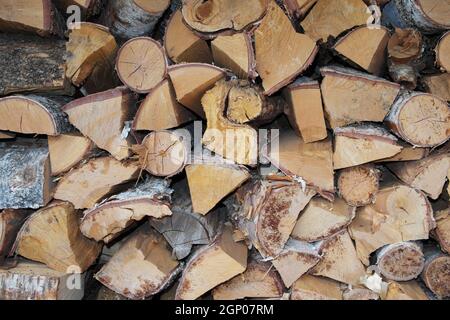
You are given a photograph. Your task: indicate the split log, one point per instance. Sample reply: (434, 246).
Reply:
(133, 18)
(67, 150)
(183, 45)
(237, 142)
(210, 183)
(101, 117)
(331, 18)
(52, 236)
(266, 212)
(316, 288)
(322, 219)
(402, 261)
(296, 259)
(442, 231)
(410, 290)
(399, 214)
(116, 214)
(141, 64)
(359, 294)
(33, 115)
(356, 145)
(298, 8)
(89, 8)
(160, 110)
(438, 85)
(366, 47)
(40, 17)
(295, 51)
(35, 281)
(235, 52)
(7, 135)
(443, 52)
(420, 119)
(41, 68)
(213, 16)
(221, 260)
(191, 81)
(85, 185)
(350, 96)
(305, 110)
(359, 185)
(10, 223)
(25, 177)
(408, 153)
(436, 273)
(339, 260)
(142, 267)
(91, 54)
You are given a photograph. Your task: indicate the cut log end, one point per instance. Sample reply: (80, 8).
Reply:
(359, 185)
(436, 275)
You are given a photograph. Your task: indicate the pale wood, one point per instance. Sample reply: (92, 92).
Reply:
(142, 267)
(88, 8)
(357, 293)
(90, 182)
(221, 260)
(438, 85)
(410, 290)
(277, 43)
(408, 153)
(359, 185)
(442, 231)
(52, 236)
(7, 135)
(443, 52)
(10, 223)
(405, 46)
(298, 8)
(101, 117)
(316, 288)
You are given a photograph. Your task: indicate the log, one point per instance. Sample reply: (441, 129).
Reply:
(41, 68)
(183, 45)
(296, 259)
(443, 52)
(359, 185)
(316, 288)
(141, 64)
(298, 8)
(278, 205)
(295, 51)
(435, 273)
(366, 47)
(258, 281)
(235, 52)
(356, 145)
(107, 220)
(213, 16)
(408, 153)
(67, 150)
(339, 261)
(91, 54)
(191, 81)
(101, 117)
(33, 115)
(226, 257)
(34, 281)
(133, 18)
(89, 8)
(160, 110)
(442, 231)
(38, 17)
(93, 180)
(305, 110)
(438, 85)
(52, 236)
(356, 294)
(330, 18)
(410, 290)
(142, 267)
(322, 219)
(350, 96)
(7, 135)
(421, 119)
(237, 142)
(25, 175)
(10, 223)
(399, 214)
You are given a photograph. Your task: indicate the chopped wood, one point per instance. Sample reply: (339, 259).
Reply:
(436, 273)
(142, 267)
(366, 47)
(356, 294)
(442, 231)
(420, 119)
(359, 185)
(350, 96)
(183, 45)
(405, 46)
(408, 153)
(309, 287)
(398, 214)
(52, 236)
(25, 175)
(295, 51)
(110, 218)
(101, 117)
(88, 8)
(305, 110)
(322, 219)
(410, 290)
(10, 223)
(438, 85)
(141, 64)
(443, 52)
(93, 180)
(298, 8)
(221, 261)
(7, 135)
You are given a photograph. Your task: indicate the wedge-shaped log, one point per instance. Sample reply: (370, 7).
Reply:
(316, 288)
(298, 8)
(10, 223)
(359, 185)
(438, 85)
(410, 290)
(442, 231)
(359, 293)
(408, 153)
(7, 135)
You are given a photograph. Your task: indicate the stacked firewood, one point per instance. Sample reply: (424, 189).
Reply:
(289, 149)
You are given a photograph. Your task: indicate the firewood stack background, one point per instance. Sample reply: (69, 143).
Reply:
(102, 195)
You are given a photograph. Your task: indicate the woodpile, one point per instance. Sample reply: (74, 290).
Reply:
(226, 150)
